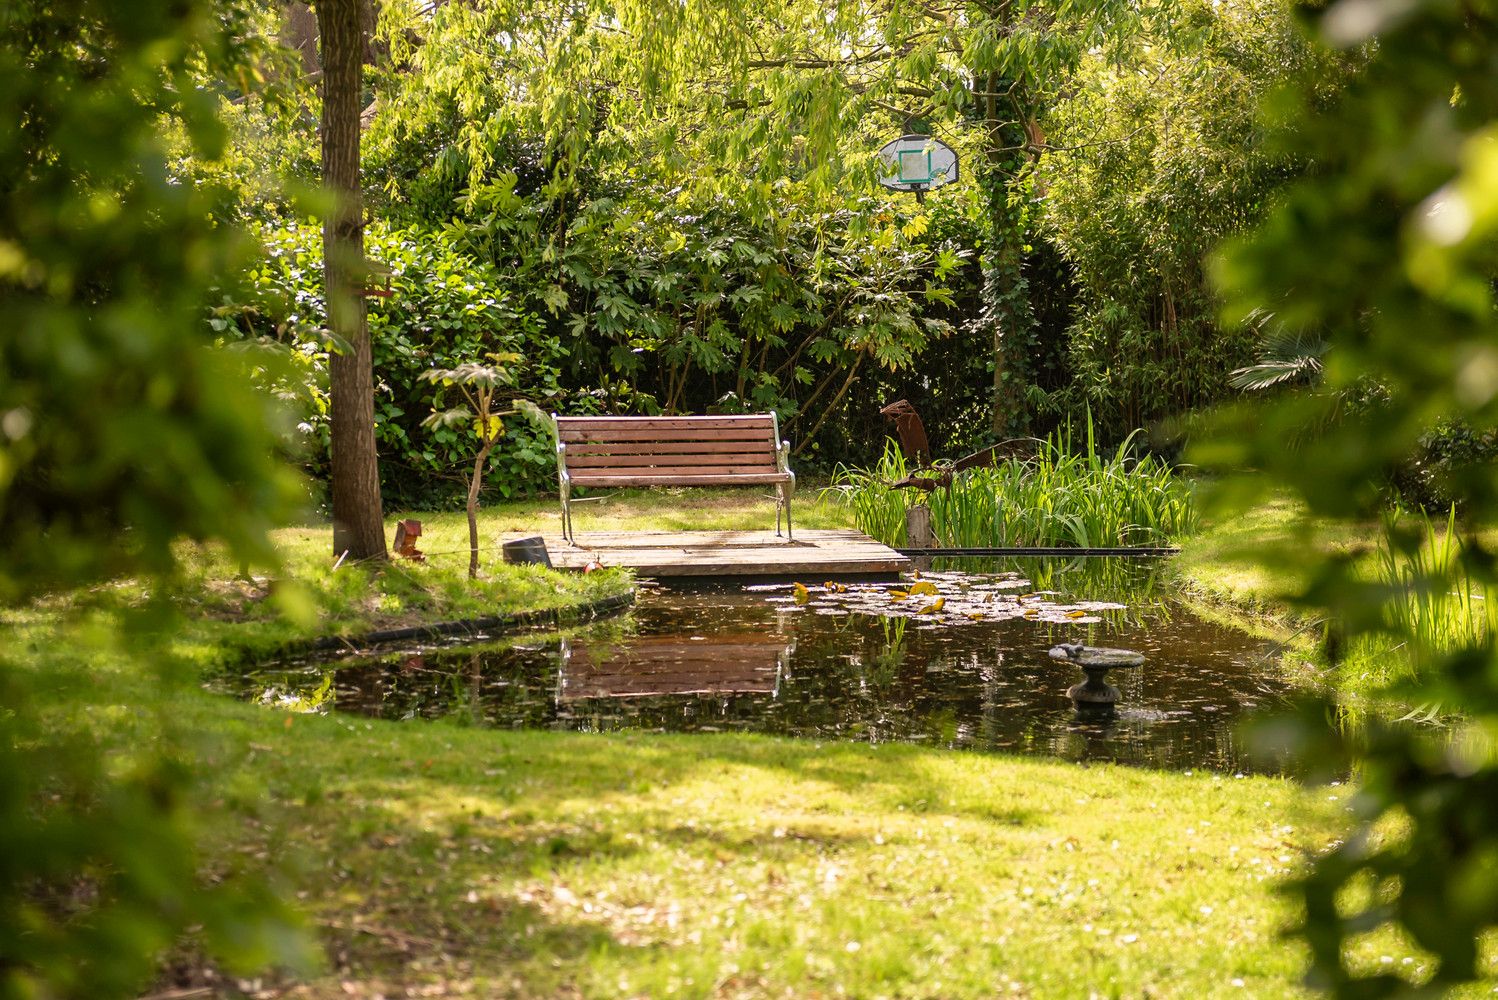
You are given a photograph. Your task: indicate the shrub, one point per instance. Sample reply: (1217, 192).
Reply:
(445, 308)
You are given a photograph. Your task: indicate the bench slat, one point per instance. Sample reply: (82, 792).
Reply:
(576, 448)
(569, 436)
(672, 471)
(663, 423)
(672, 459)
(757, 479)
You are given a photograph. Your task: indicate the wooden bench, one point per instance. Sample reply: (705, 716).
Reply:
(673, 451)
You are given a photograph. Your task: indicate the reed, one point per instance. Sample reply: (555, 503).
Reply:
(1063, 495)
(1432, 604)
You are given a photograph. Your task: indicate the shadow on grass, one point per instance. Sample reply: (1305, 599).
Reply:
(423, 843)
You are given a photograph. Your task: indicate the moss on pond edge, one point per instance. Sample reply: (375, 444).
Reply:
(487, 626)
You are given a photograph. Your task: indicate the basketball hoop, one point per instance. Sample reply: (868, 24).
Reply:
(918, 163)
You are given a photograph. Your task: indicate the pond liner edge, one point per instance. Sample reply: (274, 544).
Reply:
(489, 623)
(1046, 551)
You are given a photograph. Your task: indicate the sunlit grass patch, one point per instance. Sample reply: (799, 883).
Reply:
(536, 864)
(1429, 604)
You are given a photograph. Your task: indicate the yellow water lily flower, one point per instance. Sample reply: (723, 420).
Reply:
(924, 587)
(800, 592)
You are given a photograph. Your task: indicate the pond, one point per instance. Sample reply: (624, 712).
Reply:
(961, 662)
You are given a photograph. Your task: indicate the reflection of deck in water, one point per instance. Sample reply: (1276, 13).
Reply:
(731, 663)
(814, 554)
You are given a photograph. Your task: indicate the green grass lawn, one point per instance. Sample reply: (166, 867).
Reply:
(308, 597)
(436, 859)
(677, 508)
(1240, 561)
(480, 863)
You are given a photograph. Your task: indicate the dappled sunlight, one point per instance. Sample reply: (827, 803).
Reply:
(791, 862)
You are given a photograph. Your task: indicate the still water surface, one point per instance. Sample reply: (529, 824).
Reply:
(975, 676)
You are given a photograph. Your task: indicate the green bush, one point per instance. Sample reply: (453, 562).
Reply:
(445, 309)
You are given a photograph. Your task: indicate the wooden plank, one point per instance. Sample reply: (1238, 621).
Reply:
(688, 434)
(756, 462)
(758, 446)
(677, 469)
(707, 420)
(815, 555)
(810, 571)
(721, 479)
(813, 536)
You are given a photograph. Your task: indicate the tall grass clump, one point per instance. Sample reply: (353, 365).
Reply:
(878, 511)
(1060, 496)
(1432, 605)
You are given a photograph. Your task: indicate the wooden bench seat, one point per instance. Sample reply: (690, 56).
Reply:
(673, 451)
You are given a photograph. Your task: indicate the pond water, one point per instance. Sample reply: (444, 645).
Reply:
(854, 663)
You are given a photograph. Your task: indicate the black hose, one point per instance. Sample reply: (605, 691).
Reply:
(1054, 550)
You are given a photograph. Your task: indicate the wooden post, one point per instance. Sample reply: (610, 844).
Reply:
(918, 528)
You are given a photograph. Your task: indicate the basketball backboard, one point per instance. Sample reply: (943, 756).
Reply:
(918, 163)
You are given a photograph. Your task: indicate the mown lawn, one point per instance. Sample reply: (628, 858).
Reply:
(1251, 566)
(436, 859)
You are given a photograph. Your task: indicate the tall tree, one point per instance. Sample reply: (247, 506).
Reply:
(358, 515)
(802, 90)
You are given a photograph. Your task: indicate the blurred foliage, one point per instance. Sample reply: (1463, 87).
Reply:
(121, 432)
(1387, 251)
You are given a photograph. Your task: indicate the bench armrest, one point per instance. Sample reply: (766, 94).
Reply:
(783, 463)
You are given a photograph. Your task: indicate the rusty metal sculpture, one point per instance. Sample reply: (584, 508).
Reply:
(929, 475)
(406, 533)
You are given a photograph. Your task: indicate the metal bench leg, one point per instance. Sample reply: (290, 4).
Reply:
(784, 500)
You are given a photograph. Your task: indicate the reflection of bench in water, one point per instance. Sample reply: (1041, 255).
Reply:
(742, 663)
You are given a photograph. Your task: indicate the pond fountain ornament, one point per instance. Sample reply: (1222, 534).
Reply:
(1095, 692)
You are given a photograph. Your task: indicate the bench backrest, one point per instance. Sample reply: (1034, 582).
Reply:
(668, 448)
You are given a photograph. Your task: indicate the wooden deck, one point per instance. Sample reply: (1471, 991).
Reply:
(814, 555)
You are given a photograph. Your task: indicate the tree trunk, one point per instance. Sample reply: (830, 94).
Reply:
(358, 518)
